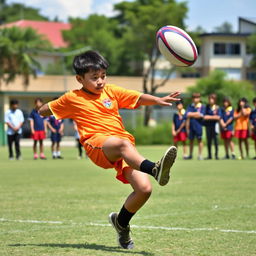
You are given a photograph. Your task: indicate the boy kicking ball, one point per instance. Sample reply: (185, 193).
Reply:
(94, 108)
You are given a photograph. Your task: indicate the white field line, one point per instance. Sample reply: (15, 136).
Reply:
(134, 226)
(214, 208)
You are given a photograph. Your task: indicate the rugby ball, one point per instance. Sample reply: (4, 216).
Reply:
(176, 46)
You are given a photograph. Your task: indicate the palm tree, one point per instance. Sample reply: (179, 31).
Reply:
(17, 48)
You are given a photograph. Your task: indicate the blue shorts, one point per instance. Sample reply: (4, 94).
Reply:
(55, 137)
(196, 133)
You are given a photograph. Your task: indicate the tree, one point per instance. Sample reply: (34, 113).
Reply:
(140, 21)
(17, 11)
(17, 47)
(217, 83)
(225, 27)
(99, 33)
(252, 49)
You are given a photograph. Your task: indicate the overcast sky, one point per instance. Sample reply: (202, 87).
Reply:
(207, 14)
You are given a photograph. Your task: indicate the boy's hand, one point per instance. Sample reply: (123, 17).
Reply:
(166, 101)
(174, 133)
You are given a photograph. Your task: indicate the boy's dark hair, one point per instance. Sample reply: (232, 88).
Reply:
(254, 100)
(39, 99)
(179, 102)
(213, 96)
(88, 61)
(196, 95)
(14, 102)
(246, 104)
(227, 100)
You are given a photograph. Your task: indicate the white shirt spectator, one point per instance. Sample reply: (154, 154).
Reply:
(15, 118)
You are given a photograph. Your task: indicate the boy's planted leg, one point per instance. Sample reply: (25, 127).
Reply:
(141, 192)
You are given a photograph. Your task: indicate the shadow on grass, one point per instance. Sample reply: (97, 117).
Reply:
(88, 246)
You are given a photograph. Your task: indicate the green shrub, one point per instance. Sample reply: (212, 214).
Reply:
(160, 134)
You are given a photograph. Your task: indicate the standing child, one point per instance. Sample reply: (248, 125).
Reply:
(94, 108)
(226, 123)
(211, 122)
(253, 125)
(194, 124)
(179, 127)
(57, 131)
(14, 119)
(38, 129)
(241, 116)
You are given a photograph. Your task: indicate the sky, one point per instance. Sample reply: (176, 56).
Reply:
(207, 14)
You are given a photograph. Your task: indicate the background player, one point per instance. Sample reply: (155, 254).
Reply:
(226, 123)
(253, 125)
(57, 131)
(211, 122)
(194, 124)
(14, 119)
(241, 116)
(179, 127)
(38, 128)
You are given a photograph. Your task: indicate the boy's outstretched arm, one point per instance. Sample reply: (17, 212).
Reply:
(45, 110)
(147, 99)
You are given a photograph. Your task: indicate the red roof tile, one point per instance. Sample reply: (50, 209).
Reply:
(51, 30)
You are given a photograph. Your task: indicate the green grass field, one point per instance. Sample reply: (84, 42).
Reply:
(60, 207)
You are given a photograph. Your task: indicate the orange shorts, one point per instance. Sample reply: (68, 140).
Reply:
(93, 147)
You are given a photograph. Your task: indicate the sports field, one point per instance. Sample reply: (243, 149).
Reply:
(60, 207)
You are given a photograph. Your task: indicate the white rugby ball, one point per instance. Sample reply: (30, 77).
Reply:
(176, 46)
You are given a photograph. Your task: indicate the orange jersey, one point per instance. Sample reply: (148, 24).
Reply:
(96, 114)
(243, 121)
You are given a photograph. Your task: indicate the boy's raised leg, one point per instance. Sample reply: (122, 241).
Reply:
(115, 148)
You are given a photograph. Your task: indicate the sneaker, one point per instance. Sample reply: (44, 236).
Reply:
(11, 158)
(254, 158)
(35, 156)
(123, 234)
(233, 156)
(200, 158)
(188, 157)
(60, 157)
(43, 158)
(161, 171)
(54, 157)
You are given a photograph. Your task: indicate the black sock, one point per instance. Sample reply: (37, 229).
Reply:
(124, 217)
(147, 166)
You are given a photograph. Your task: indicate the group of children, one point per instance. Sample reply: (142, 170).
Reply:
(229, 122)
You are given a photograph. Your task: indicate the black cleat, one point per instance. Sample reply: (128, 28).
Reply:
(161, 171)
(123, 234)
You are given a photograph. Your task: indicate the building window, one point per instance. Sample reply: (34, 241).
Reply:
(232, 73)
(226, 49)
(251, 76)
(191, 75)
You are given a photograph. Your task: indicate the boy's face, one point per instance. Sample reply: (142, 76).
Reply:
(196, 100)
(180, 106)
(14, 106)
(93, 81)
(242, 103)
(38, 104)
(225, 104)
(211, 101)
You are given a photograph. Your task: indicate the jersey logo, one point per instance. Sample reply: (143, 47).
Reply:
(107, 103)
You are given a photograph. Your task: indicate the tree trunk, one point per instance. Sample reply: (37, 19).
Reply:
(147, 114)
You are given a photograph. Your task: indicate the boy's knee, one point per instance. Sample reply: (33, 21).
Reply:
(146, 190)
(123, 144)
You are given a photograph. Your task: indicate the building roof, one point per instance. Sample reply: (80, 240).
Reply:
(225, 34)
(51, 30)
(249, 20)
